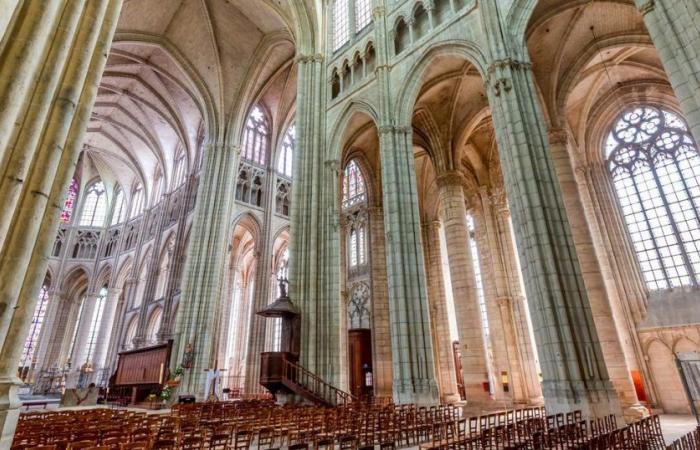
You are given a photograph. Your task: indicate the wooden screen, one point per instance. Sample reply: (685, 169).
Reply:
(143, 366)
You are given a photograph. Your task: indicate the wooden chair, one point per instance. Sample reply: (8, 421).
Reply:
(303, 446)
(134, 446)
(80, 445)
(348, 442)
(242, 440)
(220, 438)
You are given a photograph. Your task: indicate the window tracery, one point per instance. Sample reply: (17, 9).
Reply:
(359, 315)
(94, 206)
(353, 186)
(249, 188)
(256, 138)
(85, 246)
(655, 169)
(284, 162)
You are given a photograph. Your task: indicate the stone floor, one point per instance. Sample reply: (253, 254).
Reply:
(675, 426)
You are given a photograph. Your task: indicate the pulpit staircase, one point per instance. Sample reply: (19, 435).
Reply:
(311, 387)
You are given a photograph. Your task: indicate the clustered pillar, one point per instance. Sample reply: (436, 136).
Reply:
(54, 55)
(195, 346)
(471, 339)
(414, 369)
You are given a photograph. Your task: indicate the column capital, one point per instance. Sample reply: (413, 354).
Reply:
(309, 57)
(504, 302)
(499, 200)
(451, 178)
(333, 165)
(385, 129)
(646, 7)
(557, 136)
(224, 147)
(497, 76)
(378, 12)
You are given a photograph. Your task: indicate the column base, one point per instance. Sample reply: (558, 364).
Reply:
(635, 412)
(451, 398)
(9, 410)
(421, 394)
(594, 400)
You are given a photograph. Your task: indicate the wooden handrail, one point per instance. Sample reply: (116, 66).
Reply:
(315, 385)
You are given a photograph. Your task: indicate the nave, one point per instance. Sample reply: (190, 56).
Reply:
(477, 206)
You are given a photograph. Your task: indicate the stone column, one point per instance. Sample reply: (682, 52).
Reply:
(41, 110)
(79, 355)
(471, 338)
(314, 242)
(262, 294)
(498, 351)
(673, 27)
(179, 258)
(202, 285)
(105, 328)
(47, 337)
(414, 368)
(445, 363)
(381, 329)
(240, 339)
(514, 349)
(514, 308)
(571, 356)
(601, 308)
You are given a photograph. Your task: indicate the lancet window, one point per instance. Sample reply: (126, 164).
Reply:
(655, 169)
(94, 206)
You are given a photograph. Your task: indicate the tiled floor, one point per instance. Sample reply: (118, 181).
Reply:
(675, 426)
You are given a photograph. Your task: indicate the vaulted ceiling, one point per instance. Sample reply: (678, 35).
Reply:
(182, 71)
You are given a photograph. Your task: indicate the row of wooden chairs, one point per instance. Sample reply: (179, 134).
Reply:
(690, 441)
(552, 433)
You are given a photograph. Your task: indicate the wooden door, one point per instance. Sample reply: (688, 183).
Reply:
(360, 356)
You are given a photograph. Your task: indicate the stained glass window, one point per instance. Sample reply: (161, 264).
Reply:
(94, 206)
(255, 140)
(363, 14)
(655, 168)
(119, 210)
(341, 29)
(32, 340)
(284, 163)
(353, 248)
(69, 203)
(353, 185)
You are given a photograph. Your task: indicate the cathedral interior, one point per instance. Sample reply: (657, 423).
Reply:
(414, 212)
